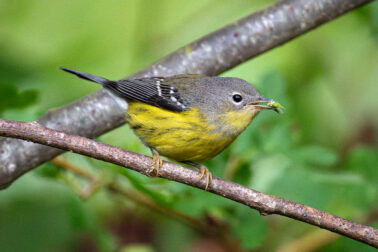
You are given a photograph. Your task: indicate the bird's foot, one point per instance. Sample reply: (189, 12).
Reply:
(156, 163)
(205, 173)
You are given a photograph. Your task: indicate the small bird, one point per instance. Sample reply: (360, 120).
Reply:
(189, 118)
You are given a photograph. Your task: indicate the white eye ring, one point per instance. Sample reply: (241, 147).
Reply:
(237, 98)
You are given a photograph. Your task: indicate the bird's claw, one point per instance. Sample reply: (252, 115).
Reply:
(156, 164)
(207, 175)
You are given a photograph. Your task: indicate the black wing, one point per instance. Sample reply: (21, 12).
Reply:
(153, 91)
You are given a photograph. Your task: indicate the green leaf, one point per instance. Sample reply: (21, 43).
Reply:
(314, 154)
(277, 140)
(364, 161)
(249, 227)
(48, 170)
(196, 202)
(140, 184)
(11, 97)
(267, 170)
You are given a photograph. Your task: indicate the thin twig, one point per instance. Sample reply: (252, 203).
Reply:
(78, 170)
(95, 182)
(264, 203)
(133, 195)
(309, 242)
(315, 240)
(213, 228)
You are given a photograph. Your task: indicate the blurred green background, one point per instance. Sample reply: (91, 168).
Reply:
(322, 151)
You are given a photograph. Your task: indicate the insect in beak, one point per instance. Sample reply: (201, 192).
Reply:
(264, 103)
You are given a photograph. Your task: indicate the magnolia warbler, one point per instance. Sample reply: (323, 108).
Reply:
(189, 118)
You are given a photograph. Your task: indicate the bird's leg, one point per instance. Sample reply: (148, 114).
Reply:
(157, 162)
(205, 173)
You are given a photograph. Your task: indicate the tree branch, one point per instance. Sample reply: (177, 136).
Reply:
(215, 228)
(265, 204)
(133, 195)
(100, 112)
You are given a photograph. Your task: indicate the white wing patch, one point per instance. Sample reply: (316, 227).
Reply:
(154, 91)
(158, 87)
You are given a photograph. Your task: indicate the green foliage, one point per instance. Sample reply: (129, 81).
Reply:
(12, 98)
(32, 221)
(321, 151)
(249, 227)
(315, 155)
(49, 170)
(364, 161)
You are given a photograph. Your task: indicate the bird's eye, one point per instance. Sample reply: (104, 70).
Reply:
(237, 98)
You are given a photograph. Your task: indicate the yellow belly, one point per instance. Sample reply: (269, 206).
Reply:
(184, 136)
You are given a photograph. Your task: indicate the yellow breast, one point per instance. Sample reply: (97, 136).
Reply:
(182, 136)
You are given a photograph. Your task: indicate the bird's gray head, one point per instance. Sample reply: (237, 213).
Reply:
(225, 94)
(231, 103)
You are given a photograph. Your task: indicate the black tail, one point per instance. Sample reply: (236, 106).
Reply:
(86, 76)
